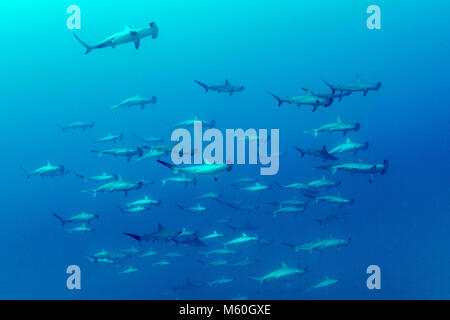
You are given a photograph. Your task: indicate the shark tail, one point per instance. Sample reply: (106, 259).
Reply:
(59, 218)
(205, 86)
(168, 165)
(93, 192)
(25, 171)
(312, 131)
(134, 236)
(386, 166)
(319, 221)
(121, 209)
(329, 85)
(81, 177)
(260, 280)
(154, 99)
(300, 150)
(88, 47)
(280, 101)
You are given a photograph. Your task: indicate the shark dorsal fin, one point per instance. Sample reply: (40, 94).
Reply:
(326, 278)
(283, 265)
(103, 173)
(358, 78)
(120, 178)
(227, 82)
(339, 119)
(308, 92)
(324, 178)
(348, 140)
(160, 227)
(48, 163)
(207, 161)
(146, 198)
(243, 234)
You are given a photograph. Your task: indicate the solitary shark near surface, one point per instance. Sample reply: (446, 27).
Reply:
(359, 168)
(135, 101)
(83, 217)
(338, 126)
(349, 146)
(78, 125)
(227, 87)
(48, 170)
(122, 151)
(200, 169)
(118, 185)
(282, 272)
(355, 86)
(130, 34)
(104, 177)
(319, 153)
(308, 99)
(110, 138)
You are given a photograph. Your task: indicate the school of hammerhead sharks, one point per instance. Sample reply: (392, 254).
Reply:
(215, 248)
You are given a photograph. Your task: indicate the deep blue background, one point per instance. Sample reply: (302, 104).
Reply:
(400, 222)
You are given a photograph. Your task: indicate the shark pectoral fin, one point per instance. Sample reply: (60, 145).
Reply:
(137, 43)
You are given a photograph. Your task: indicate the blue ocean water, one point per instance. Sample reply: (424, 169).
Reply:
(399, 222)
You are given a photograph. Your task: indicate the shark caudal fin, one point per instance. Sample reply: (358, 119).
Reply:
(59, 218)
(168, 165)
(329, 85)
(25, 171)
(88, 47)
(81, 177)
(386, 166)
(134, 236)
(260, 280)
(279, 100)
(205, 86)
(300, 150)
(93, 192)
